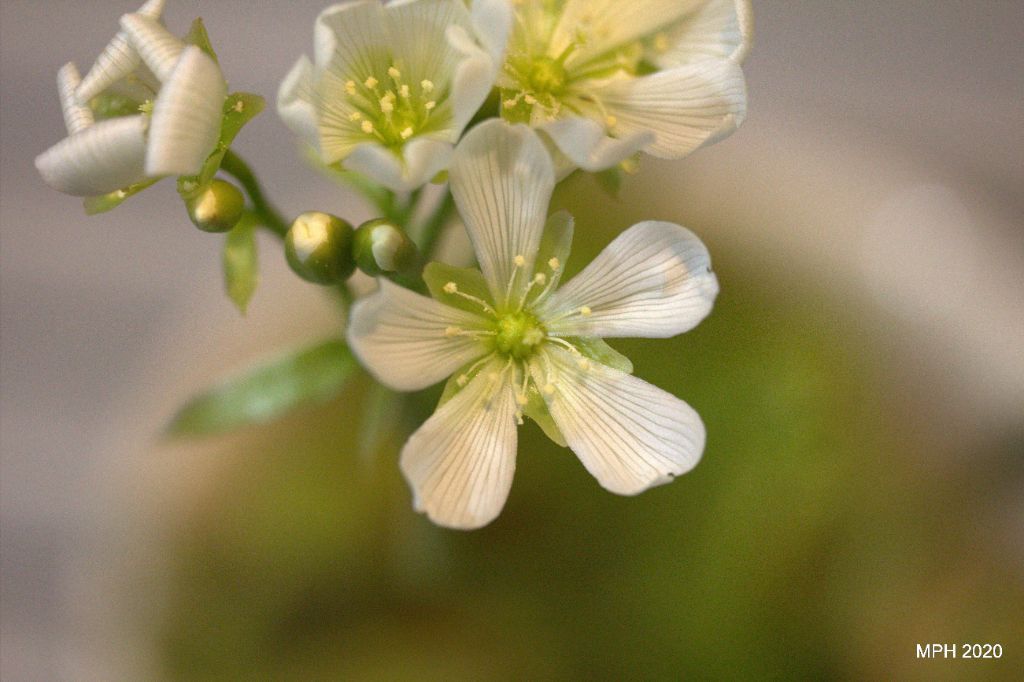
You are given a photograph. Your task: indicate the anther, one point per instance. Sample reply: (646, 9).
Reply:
(549, 389)
(522, 400)
(350, 87)
(452, 331)
(394, 73)
(406, 134)
(540, 278)
(585, 311)
(611, 121)
(520, 261)
(427, 86)
(451, 288)
(371, 82)
(462, 380)
(355, 116)
(404, 91)
(367, 127)
(386, 104)
(530, 99)
(554, 264)
(430, 105)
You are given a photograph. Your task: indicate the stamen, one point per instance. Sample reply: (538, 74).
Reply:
(554, 264)
(462, 380)
(355, 116)
(520, 261)
(430, 105)
(426, 86)
(406, 134)
(394, 73)
(452, 331)
(367, 127)
(562, 342)
(350, 87)
(549, 389)
(585, 311)
(453, 289)
(404, 91)
(371, 82)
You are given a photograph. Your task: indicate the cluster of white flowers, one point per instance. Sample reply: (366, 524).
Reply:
(179, 93)
(503, 98)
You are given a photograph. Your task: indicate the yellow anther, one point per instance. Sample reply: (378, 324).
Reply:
(371, 82)
(404, 91)
(452, 331)
(661, 42)
(520, 261)
(462, 380)
(406, 134)
(530, 99)
(451, 288)
(239, 106)
(427, 86)
(350, 87)
(611, 121)
(583, 363)
(394, 73)
(430, 105)
(585, 311)
(367, 127)
(386, 105)
(549, 389)
(355, 116)
(540, 278)
(510, 103)
(522, 400)
(554, 263)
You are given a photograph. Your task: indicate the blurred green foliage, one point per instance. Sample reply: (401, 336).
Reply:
(813, 541)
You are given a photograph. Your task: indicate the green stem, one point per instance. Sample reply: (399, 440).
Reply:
(265, 212)
(435, 226)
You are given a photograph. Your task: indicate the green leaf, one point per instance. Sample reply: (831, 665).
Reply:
(468, 281)
(241, 269)
(107, 202)
(308, 376)
(198, 36)
(239, 109)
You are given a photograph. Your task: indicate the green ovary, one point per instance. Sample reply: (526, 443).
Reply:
(519, 335)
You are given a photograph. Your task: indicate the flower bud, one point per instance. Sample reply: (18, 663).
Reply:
(381, 246)
(217, 207)
(319, 248)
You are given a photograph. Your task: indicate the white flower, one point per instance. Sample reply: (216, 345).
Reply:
(392, 86)
(184, 91)
(607, 78)
(515, 344)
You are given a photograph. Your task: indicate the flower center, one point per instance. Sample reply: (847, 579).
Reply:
(389, 108)
(518, 335)
(547, 76)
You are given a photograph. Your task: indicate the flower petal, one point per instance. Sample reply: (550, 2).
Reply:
(77, 117)
(296, 102)
(460, 463)
(158, 47)
(475, 74)
(187, 116)
(104, 157)
(685, 107)
(422, 158)
(400, 336)
(349, 38)
(502, 179)
(629, 434)
(587, 145)
(654, 280)
(609, 24)
(721, 28)
(117, 60)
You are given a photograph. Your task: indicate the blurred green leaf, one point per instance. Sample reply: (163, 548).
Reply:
(107, 202)
(310, 375)
(241, 267)
(198, 36)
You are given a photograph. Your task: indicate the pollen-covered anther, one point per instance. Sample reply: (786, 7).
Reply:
(387, 104)
(406, 134)
(540, 278)
(350, 87)
(367, 127)
(549, 389)
(522, 400)
(394, 73)
(585, 311)
(427, 86)
(554, 264)
(404, 91)
(355, 116)
(611, 121)
(530, 99)
(462, 380)
(519, 261)
(430, 105)
(451, 288)
(452, 331)
(371, 82)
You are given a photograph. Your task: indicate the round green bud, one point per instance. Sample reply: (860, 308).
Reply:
(217, 207)
(381, 246)
(318, 247)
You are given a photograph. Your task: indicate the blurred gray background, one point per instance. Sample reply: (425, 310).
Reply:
(882, 154)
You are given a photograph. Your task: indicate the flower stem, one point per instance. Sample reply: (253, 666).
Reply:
(264, 211)
(435, 225)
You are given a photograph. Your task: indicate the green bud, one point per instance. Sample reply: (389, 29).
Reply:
(381, 246)
(319, 248)
(217, 207)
